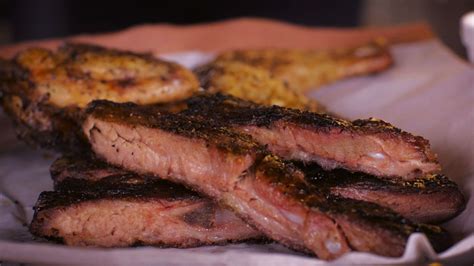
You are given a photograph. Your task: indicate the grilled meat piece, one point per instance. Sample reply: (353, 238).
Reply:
(99, 205)
(371, 146)
(253, 84)
(45, 91)
(432, 199)
(412, 199)
(240, 174)
(306, 69)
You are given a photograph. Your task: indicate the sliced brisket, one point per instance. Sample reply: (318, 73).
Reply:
(371, 146)
(240, 174)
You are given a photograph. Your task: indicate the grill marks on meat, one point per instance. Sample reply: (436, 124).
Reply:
(371, 146)
(44, 91)
(306, 69)
(231, 168)
(99, 205)
(432, 199)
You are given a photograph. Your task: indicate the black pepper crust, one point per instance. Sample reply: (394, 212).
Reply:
(225, 109)
(153, 117)
(128, 186)
(323, 179)
(393, 193)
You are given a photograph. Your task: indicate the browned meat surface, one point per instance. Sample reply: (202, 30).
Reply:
(240, 174)
(98, 205)
(371, 146)
(83, 167)
(432, 199)
(253, 84)
(307, 69)
(44, 91)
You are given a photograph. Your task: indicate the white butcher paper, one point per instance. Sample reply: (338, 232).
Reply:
(429, 92)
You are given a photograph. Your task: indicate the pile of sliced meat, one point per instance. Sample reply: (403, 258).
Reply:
(314, 183)
(169, 170)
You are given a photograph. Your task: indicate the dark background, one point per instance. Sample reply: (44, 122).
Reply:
(38, 19)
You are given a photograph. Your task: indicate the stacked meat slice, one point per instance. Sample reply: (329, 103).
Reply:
(208, 154)
(371, 146)
(95, 204)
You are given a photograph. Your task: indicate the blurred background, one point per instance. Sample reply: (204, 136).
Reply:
(22, 20)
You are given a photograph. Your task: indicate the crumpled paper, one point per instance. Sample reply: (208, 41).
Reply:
(429, 92)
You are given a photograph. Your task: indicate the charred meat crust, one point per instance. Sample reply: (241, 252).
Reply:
(342, 178)
(149, 116)
(123, 186)
(414, 199)
(83, 178)
(230, 110)
(225, 110)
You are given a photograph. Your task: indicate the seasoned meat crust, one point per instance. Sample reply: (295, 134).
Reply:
(96, 204)
(231, 168)
(44, 91)
(308, 69)
(413, 199)
(372, 146)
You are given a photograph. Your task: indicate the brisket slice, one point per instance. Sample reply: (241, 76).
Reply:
(99, 205)
(370, 146)
(432, 199)
(268, 193)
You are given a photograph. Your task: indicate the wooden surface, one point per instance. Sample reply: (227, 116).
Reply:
(234, 34)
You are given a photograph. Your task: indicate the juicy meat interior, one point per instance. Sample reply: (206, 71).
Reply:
(371, 146)
(240, 174)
